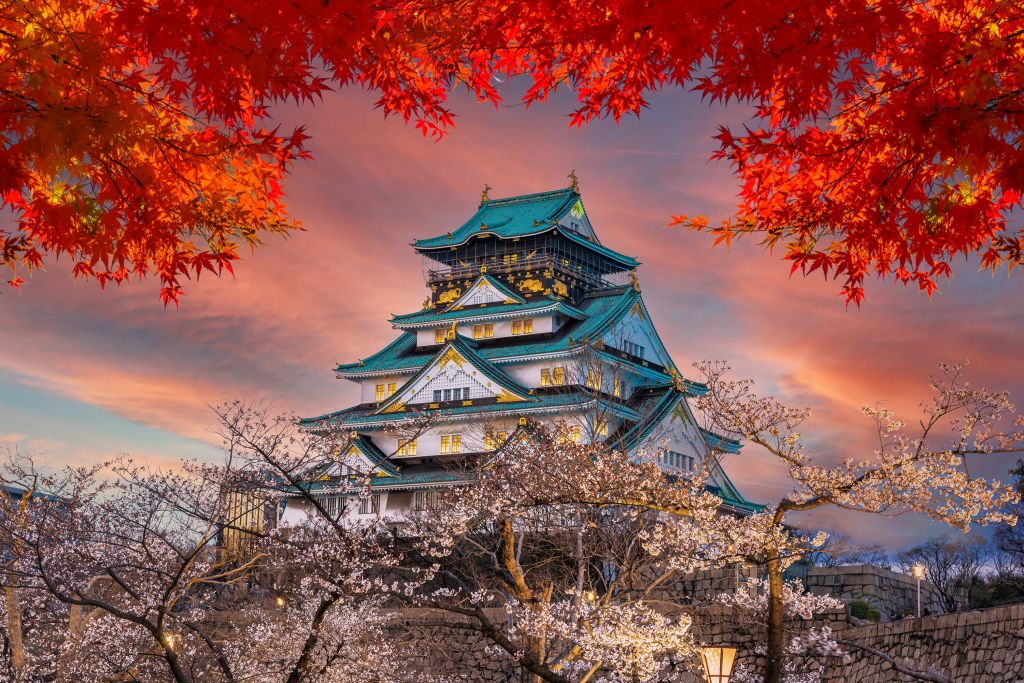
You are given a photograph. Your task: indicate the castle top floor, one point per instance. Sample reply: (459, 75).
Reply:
(538, 245)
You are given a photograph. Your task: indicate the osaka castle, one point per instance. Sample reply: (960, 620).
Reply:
(528, 317)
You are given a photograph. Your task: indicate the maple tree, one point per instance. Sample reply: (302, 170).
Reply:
(886, 136)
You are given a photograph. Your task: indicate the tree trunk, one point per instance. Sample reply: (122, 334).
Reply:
(14, 628)
(775, 635)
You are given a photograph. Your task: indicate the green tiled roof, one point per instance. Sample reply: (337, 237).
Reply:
(365, 445)
(733, 499)
(664, 400)
(521, 216)
(427, 317)
(362, 415)
(404, 478)
(464, 348)
(602, 308)
(721, 442)
(509, 217)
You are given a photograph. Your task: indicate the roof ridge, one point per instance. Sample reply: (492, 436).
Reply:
(513, 199)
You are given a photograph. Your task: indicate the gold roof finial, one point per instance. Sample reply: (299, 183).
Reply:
(426, 303)
(483, 195)
(633, 281)
(575, 182)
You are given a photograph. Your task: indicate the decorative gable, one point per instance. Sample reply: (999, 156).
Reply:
(361, 458)
(576, 219)
(486, 291)
(456, 373)
(635, 334)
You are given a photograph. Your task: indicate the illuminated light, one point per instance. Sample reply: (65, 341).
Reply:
(717, 663)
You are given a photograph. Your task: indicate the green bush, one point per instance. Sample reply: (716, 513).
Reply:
(862, 610)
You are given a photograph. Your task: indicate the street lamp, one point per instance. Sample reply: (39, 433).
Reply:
(918, 572)
(718, 663)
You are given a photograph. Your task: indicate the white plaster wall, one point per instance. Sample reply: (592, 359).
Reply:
(368, 387)
(502, 328)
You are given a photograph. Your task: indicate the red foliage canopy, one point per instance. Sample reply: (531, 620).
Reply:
(887, 136)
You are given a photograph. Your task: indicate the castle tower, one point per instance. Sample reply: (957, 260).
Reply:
(529, 316)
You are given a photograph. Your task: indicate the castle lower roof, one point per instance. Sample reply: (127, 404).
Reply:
(601, 308)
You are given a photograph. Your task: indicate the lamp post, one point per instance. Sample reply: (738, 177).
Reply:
(918, 572)
(717, 663)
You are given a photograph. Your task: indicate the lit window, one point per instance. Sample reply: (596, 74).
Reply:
(407, 448)
(451, 443)
(439, 335)
(488, 330)
(574, 433)
(478, 331)
(601, 428)
(392, 386)
(379, 395)
(370, 505)
(494, 439)
(558, 376)
(616, 387)
(545, 377)
(593, 378)
(528, 326)
(517, 327)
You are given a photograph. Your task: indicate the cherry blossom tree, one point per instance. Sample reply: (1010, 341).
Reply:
(925, 471)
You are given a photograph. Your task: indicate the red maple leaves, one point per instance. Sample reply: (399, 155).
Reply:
(887, 135)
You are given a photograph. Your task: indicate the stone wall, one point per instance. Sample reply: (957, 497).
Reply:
(985, 646)
(891, 593)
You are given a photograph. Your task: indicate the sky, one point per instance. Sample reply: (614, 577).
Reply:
(87, 374)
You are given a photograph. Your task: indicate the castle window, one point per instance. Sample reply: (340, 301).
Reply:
(593, 378)
(601, 428)
(425, 500)
(333, 506)
(522, 326)
(407, 448)
(488, 330)
(392, 386)
(494, 439)
(616, 387)
(451, 443)
(545, 377)
(574, 433)
(439, 335)
(465, 393)
(379, 393)
(678, 462)
(478, 331)
(633, 349)
(369, 505)
(437, 395)
(558, 376)
(447, 394)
